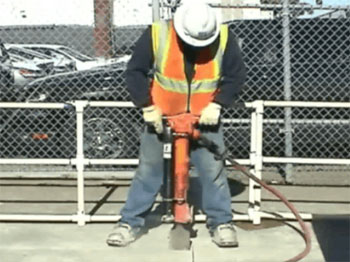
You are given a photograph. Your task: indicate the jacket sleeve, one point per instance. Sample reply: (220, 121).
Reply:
(138, 70)
(233, 74)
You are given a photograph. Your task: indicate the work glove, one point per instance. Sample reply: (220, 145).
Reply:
(152, 115)
(210, 114)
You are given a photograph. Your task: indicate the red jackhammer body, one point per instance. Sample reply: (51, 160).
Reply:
(181, 129)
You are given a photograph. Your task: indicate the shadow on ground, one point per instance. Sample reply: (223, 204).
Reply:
(333, 235)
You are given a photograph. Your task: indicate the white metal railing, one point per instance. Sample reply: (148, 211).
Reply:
(256, 160)
(256, 150)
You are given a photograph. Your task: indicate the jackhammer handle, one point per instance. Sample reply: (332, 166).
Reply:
(167, 177)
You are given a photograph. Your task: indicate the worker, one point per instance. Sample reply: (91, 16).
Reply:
(197, 67)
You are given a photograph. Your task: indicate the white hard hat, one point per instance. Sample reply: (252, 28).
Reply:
(196, 23)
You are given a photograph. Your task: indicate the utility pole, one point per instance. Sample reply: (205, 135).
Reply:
(103, 28)
(155, 10)
(287, 89)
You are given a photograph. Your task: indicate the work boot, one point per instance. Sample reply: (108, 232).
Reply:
(224, 235)
(122, 235)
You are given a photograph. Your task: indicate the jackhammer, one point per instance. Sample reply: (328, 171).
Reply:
(178, 132)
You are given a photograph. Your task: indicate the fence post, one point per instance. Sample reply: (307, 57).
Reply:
(81, 216)
(256, 160)
(252, 157)
(287, 89)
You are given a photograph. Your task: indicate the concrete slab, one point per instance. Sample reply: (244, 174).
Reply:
(67, 242)
(106, 198)
(36, 242)
(263, 245)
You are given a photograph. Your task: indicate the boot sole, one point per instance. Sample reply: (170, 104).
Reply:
(118, 243)
(226, 244)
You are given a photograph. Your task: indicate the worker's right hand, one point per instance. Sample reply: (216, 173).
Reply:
(153, 115)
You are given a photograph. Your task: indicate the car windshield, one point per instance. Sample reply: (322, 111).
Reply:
(3, 54)
(27, 53)
(76, 54)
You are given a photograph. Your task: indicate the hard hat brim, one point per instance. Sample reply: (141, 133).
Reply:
(178, 18)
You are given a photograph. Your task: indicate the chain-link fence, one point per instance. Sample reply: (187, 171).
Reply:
(73, 51)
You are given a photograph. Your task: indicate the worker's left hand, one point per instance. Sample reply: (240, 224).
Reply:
(210, 114)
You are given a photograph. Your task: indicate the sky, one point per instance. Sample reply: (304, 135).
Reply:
(24, 12)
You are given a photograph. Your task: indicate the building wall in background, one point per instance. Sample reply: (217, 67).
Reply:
(44, 12)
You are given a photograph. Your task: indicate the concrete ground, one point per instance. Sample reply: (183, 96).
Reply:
(42, 242)
(67, 242)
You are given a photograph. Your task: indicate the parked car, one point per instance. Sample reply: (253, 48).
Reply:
(319, 59)
(108, 132)
(15, 72)
(82, 61)
(60, 65)
(320, 64)
(25, 71)
(6, 74)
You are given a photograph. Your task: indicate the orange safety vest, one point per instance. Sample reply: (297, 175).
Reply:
(169, 88)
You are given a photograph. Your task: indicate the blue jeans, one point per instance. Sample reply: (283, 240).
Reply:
(216, 197)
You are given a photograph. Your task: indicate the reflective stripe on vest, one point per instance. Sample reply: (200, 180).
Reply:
(181, 86)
